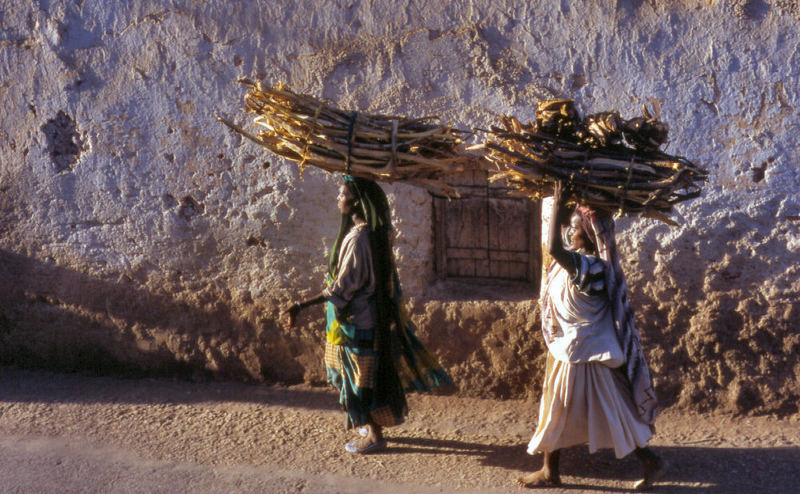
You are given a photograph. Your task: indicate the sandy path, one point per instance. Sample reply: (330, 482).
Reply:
(73, 433)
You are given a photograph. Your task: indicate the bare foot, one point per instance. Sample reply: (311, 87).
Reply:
(539, 478)
(374, 433)
(653, 471)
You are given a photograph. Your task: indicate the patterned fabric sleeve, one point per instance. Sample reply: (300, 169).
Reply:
(589, 274)
(355, 270)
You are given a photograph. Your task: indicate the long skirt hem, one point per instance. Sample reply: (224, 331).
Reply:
(587, 403)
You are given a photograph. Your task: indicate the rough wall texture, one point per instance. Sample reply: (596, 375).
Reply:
(137, 233)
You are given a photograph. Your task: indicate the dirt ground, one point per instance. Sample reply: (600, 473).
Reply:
(75, 433)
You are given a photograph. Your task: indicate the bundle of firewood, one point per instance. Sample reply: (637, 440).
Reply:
(606, 162)
(378, 147)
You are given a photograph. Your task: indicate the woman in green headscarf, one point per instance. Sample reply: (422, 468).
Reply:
(371, 353)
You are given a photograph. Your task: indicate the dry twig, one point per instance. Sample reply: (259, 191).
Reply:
(379, 147)
(608, 163)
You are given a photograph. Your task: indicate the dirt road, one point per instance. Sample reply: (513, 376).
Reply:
(72, 433)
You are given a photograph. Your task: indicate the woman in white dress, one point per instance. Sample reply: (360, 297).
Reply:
(597, 388)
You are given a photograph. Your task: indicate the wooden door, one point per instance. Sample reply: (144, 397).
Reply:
(486, 233)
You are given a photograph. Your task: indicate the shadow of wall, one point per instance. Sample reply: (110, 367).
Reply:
(57, 317)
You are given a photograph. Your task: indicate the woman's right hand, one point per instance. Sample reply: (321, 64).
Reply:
(559, 192)
(289, 315)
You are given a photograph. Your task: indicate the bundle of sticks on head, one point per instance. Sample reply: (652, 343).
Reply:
(378, 147)
(606, 162)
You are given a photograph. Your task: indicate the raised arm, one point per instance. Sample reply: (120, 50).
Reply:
(558, 217)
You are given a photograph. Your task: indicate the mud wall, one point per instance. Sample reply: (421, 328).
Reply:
(138, 234)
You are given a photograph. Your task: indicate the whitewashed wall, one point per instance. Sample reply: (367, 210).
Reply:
(136, 232)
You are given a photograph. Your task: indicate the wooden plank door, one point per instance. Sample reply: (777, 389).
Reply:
(486, 233)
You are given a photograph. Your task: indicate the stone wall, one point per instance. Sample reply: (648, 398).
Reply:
(139, 234)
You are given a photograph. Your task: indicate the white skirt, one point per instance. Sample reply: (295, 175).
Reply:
(587, 403)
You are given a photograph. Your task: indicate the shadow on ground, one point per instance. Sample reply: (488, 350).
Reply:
(691, 469)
